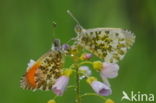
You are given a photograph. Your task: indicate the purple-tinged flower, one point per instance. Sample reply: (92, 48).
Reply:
(65, 47)
(60, 85)
(62, 82)
(109, 70)
(85, 70)
(99, 87)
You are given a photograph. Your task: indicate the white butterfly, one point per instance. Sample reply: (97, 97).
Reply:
(109, 44)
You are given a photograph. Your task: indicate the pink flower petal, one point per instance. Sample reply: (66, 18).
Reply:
(60, 85)
(110, 70)
(101, 88)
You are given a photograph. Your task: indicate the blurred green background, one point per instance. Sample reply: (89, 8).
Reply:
(26, 33)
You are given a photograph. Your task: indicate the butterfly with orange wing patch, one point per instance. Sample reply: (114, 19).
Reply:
(42, 74)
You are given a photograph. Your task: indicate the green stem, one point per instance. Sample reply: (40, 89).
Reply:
(71, 86)
(85, 62)
(93, 94)
(78, 100)
(55, 97)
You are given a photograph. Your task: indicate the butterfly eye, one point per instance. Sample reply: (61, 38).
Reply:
(78, 29)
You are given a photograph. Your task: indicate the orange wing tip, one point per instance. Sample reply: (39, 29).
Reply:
(25, 85)
(29, 79)
(30, 64)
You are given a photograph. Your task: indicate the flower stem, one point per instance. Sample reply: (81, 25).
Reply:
(78, 99)
(86, 62)
(71, 86)
(93, 94)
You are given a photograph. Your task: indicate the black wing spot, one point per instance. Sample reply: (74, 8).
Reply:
(97, 32)
(117, 34)
(107, 32)
(91, 33)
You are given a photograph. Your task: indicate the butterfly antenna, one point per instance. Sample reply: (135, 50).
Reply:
(55, 42)
(70, 14)
(53, 29)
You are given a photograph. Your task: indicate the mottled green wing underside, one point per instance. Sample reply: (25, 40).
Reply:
(110, 44)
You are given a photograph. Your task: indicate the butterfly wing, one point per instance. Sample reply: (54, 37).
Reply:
(110, 44)
(43, 73)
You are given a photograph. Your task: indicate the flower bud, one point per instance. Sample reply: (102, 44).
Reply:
(97, 65)
(85, 70)
(109, 101)
(86, 56)
(52, 101)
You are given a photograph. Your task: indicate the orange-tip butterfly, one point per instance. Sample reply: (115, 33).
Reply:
(109, 44)
(42, 74)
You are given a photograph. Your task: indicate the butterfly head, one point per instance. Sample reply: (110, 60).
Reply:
(56, 44)
(78, 29)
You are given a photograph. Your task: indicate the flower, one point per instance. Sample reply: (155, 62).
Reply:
(85, 70)
(109, 70)
(61, 83)
(99, 87)
(97, 65)
(109, 101)
(52, 101)
(66, 48)
(86, 56)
